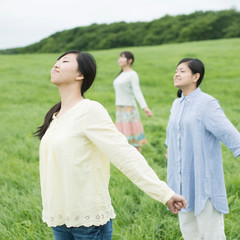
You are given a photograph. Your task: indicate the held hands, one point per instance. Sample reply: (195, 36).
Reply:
(148, 112)
(175, 203)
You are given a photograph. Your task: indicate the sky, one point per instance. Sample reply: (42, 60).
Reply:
(23, 22)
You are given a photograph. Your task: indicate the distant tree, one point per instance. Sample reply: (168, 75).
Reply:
(192, 27)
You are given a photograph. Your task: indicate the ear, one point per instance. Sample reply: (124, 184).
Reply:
(196, 77)
(80, 77)
(130, 61)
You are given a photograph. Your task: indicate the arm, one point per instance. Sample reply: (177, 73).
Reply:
(137, 90)
(138, 95)
(218, 124)
(103, 134)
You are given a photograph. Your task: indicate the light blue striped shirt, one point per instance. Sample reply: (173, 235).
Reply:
(196, 128)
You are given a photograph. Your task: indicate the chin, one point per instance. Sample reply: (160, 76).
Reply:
(54, 82)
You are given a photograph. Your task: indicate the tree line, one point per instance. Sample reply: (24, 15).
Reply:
(168, 29)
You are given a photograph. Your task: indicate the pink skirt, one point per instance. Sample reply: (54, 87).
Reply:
(128, 122)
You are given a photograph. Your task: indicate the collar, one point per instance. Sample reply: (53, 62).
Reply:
(191, 95)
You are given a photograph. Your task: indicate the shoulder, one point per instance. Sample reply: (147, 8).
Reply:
(175, 105)
(133, 76)
(96, 109)
(133, 73)
(96, 113)
(94, 105)
(208, 104)
(207, 99)
(176, 102)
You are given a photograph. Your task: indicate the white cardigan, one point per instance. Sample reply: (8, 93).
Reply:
(75, 156)
(127, 88)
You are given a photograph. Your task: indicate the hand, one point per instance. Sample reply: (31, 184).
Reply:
(148, 112)
(166, 155)
(175, 203)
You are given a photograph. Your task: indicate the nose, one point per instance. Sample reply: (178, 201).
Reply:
(56, 65)
(176, 74)
(119, 61)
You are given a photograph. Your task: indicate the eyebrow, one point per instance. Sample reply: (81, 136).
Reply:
(182, 68)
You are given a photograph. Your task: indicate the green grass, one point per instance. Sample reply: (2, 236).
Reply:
(26, 94)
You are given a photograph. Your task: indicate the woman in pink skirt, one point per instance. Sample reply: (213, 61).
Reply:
(127, 89)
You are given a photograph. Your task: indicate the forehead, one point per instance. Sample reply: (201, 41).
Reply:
(122, 55)
(183, 65)
(71, 56)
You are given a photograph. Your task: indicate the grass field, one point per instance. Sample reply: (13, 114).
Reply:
(26, 94)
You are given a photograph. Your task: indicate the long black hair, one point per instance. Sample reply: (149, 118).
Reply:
(87, 67)
(196, 66)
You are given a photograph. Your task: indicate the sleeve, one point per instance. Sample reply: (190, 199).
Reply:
(137, 90)
(218, 124)
(102, 132)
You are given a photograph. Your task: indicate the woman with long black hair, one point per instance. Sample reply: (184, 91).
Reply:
(78, 141)
(127, 89)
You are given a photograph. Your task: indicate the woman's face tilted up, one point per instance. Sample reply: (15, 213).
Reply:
(123, 61)
(184, 77)
(65, 70)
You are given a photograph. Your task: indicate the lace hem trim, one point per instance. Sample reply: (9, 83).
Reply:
(77, 220)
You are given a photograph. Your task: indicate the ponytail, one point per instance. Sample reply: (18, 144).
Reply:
(119, 73)
(179, 93)
(48, 118)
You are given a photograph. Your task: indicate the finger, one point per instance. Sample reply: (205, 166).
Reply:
(174, 211)
(178, 205)
(184, 203)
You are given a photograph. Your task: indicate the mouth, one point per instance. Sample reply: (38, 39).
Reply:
(177, 80)
(54, 71)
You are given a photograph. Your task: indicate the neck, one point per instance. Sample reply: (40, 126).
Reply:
(70, 95)
(127, 68)
(188, 90)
